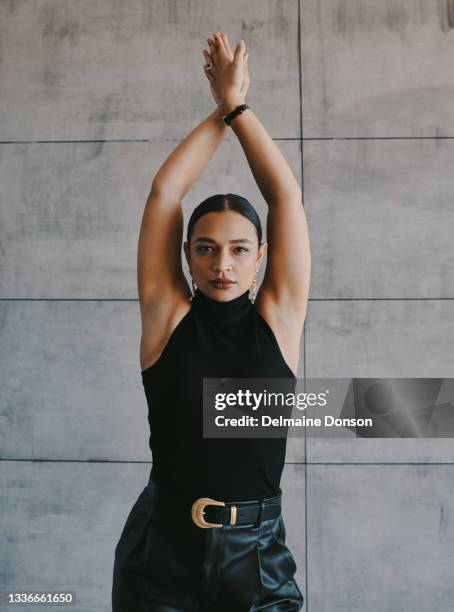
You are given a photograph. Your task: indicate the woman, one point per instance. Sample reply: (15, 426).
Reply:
(207, 532)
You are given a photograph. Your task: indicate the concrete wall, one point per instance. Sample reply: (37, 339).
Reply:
(359, 96)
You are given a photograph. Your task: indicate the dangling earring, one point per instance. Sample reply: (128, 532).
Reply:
(194, 287)
(254, 287)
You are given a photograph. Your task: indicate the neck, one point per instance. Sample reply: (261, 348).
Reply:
(229, 310)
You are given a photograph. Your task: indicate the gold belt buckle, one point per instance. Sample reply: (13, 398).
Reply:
(198, 510)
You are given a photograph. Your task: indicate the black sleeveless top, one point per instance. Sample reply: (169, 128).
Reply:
(213, 339)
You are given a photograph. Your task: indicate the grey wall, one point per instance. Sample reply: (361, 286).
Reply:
(359, 96)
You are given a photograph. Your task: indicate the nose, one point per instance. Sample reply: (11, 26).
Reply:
(222, 262)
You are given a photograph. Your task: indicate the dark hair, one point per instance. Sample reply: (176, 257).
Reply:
(221, 202)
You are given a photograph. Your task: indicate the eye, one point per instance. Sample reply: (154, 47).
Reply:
(202, 248)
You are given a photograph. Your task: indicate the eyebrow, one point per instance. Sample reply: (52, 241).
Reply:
(238, 240)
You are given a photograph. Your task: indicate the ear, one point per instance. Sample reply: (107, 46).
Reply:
(261, 252)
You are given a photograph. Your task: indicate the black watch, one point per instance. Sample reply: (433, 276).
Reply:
(237, 111)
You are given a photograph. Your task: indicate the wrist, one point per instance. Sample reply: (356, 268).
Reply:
(218, 112)
(228, 106)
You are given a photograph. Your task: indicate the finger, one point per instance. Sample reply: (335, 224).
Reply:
(209, 79)
(213, 51)
(239, 51)
(207, 57)
(246, 79)
(245, 68)
(222, 43)
(208, 75)
(222, 49)
(215, 40)
(227, 45)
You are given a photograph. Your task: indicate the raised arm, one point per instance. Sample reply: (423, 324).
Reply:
(285, 287)
(159, 270)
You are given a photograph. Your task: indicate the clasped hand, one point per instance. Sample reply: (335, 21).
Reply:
(226, 71)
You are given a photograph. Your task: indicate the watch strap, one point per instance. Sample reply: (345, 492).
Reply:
(237, 111)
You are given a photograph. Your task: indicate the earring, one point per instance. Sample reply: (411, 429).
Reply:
(254, 286)
(194, 287)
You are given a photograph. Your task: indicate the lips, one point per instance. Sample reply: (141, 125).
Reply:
(222, 283)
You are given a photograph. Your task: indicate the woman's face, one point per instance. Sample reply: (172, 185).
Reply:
(224, 245)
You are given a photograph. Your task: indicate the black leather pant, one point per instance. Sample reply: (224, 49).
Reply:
(166, 563)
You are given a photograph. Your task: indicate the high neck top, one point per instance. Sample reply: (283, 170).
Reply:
(226, 311)
(214, 339)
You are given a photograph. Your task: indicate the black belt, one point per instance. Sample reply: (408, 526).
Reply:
(207, 512)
